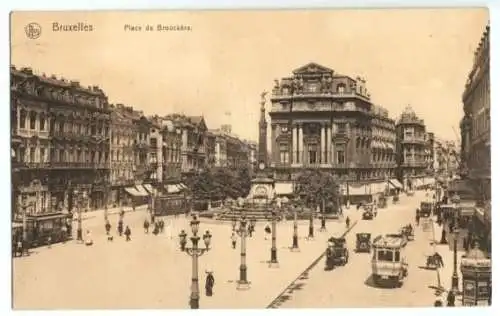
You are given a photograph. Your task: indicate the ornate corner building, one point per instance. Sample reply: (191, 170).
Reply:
(412, 149)
(61, 133)
(324, 120)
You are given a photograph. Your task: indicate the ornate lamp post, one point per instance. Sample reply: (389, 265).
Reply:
(194, 252)
(273, 263)
(295, 237)
(79, 198)
(243, 283)
(454, 278)
(311, 225)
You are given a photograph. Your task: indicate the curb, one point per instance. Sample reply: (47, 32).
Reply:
(306, 271)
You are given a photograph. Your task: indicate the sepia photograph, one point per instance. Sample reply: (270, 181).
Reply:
(250, 159)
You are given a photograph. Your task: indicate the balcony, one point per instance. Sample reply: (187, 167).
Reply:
(78, 165)
(28, 133)
(414, 164)
(34, 165)
(413, 140)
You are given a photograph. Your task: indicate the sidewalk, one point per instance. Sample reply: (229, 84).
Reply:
(444, 274)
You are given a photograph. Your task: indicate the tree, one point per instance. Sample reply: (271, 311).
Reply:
(317, 187)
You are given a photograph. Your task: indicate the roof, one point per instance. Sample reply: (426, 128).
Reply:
(389, 241)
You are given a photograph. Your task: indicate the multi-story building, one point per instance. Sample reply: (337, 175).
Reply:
(475, 124)
(171, 151)
(30, 130)
(123, 136)
(429, 153)
(410, 149)
(68, 131)
(143, 169)
(321, 119)
(230, 150)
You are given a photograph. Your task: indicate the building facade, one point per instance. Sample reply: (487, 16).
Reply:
(143, 169)
(69, 136)
(321, 119)
(171, 151)
(30, 132)
(475, 124)
(411, 149)
(123, 136)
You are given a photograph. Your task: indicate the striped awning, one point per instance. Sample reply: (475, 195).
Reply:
(395, 183)
(175, 188)
(133, 191)
(149, 188)
(141, 189)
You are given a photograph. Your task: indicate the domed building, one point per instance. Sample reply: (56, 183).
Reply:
(411, 146)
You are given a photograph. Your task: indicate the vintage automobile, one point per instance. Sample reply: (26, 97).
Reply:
(336, 253)
(407, 231)
(369, 211)
(363, 242)
(426, 209)
(389, 265)
(382, 202)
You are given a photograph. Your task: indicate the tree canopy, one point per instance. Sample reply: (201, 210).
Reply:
(220, 183)
(315, 187)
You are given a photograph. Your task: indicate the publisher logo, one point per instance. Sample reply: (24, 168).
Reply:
(33, 30)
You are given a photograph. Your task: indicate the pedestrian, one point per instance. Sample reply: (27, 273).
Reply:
(107, 227)
(347, 222)
(183, 240)
(250, 230)
(49, 241)
(20, 247)
(417, 217)
(162, 225)
(209, 283)
(127, 234)
(120, 227)
(267, 230)
(439, 260)
(234, 238)
(146, 226)
(156, 230)
(88, 239)
(450, 299)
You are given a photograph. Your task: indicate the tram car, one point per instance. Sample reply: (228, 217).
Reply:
(389, 264)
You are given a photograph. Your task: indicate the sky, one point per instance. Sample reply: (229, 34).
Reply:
(218, 69)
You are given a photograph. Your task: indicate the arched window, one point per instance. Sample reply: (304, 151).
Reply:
(22, 119)
(341, 88)
(42, 121)
(32, 120)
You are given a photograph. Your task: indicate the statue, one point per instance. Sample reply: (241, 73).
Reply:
(263, 98)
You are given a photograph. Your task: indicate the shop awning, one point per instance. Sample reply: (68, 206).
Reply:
(133, 191)
(395, 183)
(172, 188)
(359, 190)
(149, 188)
(283, 188)
(418, 182)
(141, 189)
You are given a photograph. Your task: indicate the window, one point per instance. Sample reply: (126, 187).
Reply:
(313, 151)
(32, 120)
(153, 142)
(340, 157)
(61, 126)
(42, 155)
(341, 128)
(32, 154)
(385, 255)
(22, 119)
(284, 153)
(42, 122)
(341, 88)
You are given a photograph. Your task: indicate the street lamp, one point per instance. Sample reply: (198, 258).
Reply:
(295, 238)
(311, 225)
(454, 278)
(243, 283)
(273, 263)
(323, 218)
(194, 252)
(79, 200)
